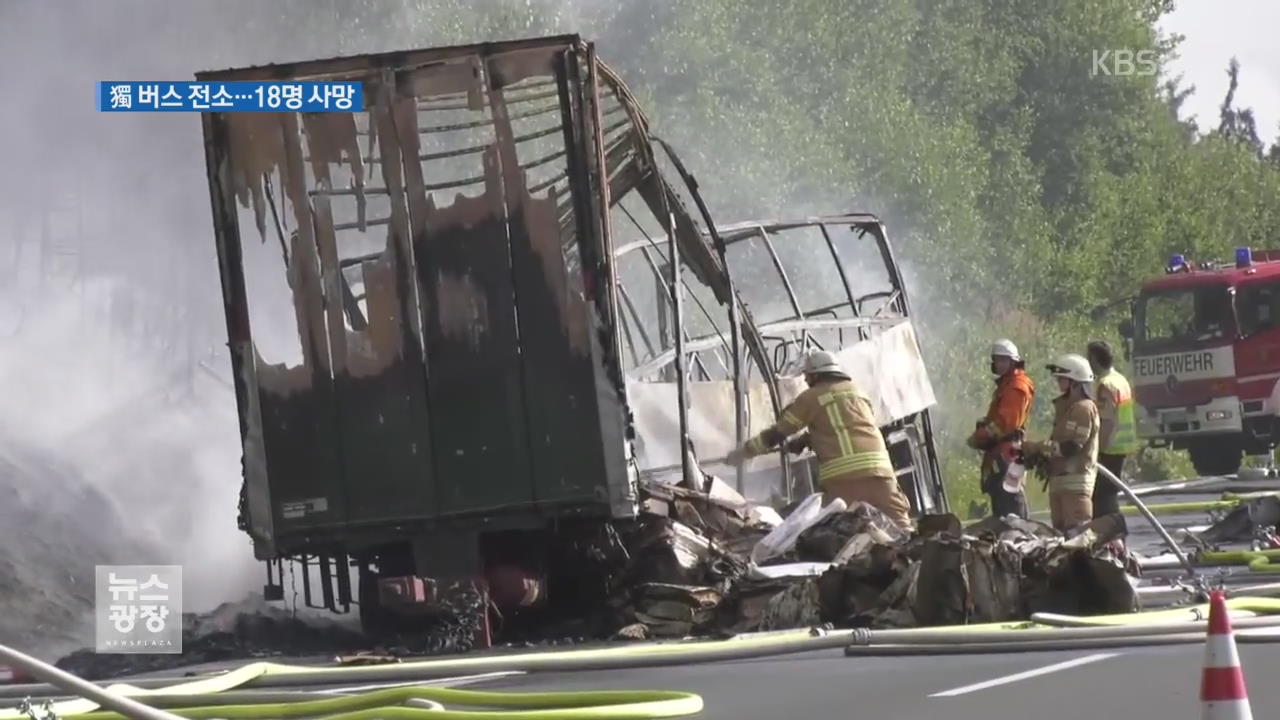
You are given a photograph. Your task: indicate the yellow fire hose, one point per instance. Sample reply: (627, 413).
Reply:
(1230, 503)
(1258, 561)
(1044, 632)
(391, 703)
(1238, 607)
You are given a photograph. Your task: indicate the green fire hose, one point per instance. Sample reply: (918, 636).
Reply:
(405, 703)
(1174, 508)
(204, 700)
(392, 704)
(1258, 561)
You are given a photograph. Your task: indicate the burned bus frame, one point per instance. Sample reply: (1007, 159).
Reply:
(423, 427)
(840, 325)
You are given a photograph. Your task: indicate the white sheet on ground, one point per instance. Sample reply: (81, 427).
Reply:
(783, 538)
(788, 570)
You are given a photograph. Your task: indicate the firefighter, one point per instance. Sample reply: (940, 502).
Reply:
(997, 434)
(1071, 452)
(853, 462)
(1118, 433)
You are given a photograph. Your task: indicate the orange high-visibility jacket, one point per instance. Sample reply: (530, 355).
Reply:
(1010, 410)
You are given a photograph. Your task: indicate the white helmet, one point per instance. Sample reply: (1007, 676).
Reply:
(821, 362)
(1072, 367)
(1005, 348)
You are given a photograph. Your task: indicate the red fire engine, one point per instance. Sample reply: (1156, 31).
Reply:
(1206, 358)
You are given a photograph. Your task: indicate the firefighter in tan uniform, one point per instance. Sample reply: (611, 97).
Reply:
(1071, 453)
(853, 462)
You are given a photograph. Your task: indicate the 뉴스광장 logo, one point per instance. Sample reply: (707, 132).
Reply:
(138, 609)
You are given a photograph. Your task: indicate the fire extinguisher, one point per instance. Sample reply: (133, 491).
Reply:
(1015, 474)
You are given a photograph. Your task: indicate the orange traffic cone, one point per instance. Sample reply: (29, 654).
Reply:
(1222, 692)
(10, 674)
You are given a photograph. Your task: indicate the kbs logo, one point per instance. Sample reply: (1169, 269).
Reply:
(1123, 63)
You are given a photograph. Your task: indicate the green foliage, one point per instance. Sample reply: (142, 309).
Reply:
(978, 130)
(1156, 465)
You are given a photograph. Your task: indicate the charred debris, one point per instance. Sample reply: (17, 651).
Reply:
(711, 563)
(477, 330)
(708, 563)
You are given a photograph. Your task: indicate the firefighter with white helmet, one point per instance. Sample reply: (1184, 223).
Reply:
(1071, 452)
(853, 462)
(1004, 347)
(999, 432)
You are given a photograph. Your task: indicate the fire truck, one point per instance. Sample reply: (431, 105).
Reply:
(1205, 344)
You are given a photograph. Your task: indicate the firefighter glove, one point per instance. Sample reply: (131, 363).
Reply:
(1038, 449)
(984, 442)
(799, 444)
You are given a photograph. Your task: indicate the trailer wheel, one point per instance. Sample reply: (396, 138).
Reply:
(1217, 458)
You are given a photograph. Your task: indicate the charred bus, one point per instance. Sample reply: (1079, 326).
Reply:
(468, 321)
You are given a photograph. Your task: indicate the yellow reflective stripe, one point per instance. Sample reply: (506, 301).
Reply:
(1118, 385)
(828, 398)
(829, 401)
(789, 422)
(756, 446)
(1124, 439)
(855, 462)
(842, 433)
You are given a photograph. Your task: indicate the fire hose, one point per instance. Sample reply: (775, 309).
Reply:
(403, 703)
(1044, 632)
(1047, 632)
(1151, 518)
(1258, 561)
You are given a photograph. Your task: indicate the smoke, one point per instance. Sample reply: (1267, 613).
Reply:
(114, 363)
(114, 358)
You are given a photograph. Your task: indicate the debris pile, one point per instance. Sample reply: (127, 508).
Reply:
(711, 563)
(1255, 520)
(253, 629)
(240, 630)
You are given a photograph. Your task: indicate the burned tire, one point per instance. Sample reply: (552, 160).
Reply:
(1212, 459)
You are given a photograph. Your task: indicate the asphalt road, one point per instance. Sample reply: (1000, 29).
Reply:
(1135, 682)
(1139, 683)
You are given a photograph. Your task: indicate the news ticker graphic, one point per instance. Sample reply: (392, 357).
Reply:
(307, 97)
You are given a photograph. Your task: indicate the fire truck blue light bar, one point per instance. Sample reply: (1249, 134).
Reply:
(240, 97)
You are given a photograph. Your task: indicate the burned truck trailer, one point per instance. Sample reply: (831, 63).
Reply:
(441, 371)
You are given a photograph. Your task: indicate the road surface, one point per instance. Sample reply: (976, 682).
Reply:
(1138, 682)
(1161, 682)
